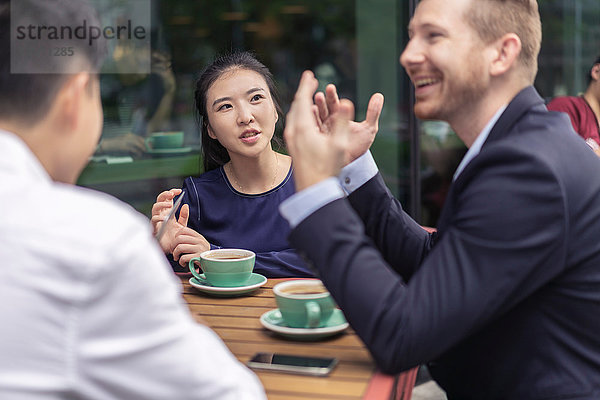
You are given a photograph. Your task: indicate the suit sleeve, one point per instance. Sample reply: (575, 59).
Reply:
(502, 243)
(381, 213)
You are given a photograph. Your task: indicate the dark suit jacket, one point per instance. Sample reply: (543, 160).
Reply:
(504, 301)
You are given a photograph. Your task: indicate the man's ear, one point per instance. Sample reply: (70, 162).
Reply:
(70, 100)
(507, 50)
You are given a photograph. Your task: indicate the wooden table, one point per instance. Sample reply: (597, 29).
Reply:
(236, 321)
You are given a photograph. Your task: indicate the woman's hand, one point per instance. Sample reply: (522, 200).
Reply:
(160, 210)
(188, 244)
(126, 143)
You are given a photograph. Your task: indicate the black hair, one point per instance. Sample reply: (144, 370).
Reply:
(213, 153)
(589, 76)
(26, 95)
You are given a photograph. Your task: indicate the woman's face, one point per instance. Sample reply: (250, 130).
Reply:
(241, 112)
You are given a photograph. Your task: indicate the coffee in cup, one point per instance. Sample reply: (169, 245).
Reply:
(224, 267)
(304, 289)
(304, 303)
(164, 140)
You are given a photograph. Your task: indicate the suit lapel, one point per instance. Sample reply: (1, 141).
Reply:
(519, 106)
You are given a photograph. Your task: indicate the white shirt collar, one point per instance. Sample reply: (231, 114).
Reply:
(478, 143)
(16, 155)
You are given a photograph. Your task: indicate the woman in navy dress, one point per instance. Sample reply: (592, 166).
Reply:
(234, 203)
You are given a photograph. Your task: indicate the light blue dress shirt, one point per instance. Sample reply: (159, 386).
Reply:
(478, 143)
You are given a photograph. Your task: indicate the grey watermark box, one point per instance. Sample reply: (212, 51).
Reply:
(123, 28)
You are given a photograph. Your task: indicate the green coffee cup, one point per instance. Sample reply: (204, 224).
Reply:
(224, 267)
(164, 140)
(304, 303)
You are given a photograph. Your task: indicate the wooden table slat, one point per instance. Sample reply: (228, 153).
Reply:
(273, 395)
(218, 321)
(219, 310)
(249, 301)
(309, 385)
(236, 334)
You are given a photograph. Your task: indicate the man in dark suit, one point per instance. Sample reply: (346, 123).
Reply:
(503, 302)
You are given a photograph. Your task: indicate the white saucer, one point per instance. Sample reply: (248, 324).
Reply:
(273, 321)
(254, 282)
(174, 150)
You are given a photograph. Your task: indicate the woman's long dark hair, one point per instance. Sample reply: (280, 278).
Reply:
(213, 153)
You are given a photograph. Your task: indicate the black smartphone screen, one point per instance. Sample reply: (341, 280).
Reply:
(296, 361)
(317, 366)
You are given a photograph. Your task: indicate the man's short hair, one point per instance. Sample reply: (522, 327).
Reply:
(27, 97)
(492, 19)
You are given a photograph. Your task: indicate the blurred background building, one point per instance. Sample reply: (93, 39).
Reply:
(355, 44)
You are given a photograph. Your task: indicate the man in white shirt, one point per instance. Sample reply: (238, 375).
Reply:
(89, 306)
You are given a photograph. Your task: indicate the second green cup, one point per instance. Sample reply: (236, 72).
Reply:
(304, 303)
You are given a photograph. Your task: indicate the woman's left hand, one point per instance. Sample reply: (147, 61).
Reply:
(188, 244)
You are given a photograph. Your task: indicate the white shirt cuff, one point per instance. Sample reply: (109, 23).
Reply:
(300, 205)
(358, 172)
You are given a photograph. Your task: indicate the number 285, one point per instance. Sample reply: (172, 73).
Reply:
(63, 52)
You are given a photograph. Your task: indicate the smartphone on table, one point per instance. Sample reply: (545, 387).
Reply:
(317, 366)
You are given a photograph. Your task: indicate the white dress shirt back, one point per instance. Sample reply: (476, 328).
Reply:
(89, 307)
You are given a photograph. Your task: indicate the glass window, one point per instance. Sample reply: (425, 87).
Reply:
(354, 45)
(571, 42)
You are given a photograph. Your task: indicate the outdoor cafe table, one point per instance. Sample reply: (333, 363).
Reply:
(236, 321)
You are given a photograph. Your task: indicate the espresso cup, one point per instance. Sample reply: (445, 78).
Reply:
(164, 140)
(304, 303)
(224, 267)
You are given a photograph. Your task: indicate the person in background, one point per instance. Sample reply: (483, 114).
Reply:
(584, 110)
(90, 308)
(135, 105)
(502, 302)
(234, 202)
